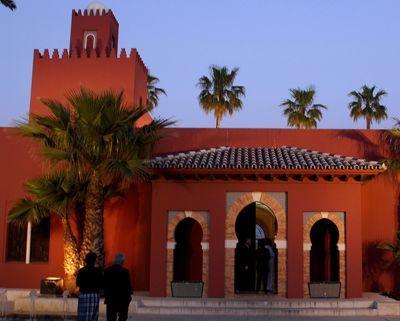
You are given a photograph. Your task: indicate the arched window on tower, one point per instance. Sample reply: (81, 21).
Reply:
(89, 40)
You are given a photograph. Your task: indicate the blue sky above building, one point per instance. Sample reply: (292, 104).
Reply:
(337, 46)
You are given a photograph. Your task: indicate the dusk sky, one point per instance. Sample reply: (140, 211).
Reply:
(335, 45)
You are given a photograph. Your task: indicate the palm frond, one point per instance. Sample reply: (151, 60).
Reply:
(27, 210)
(218, 94)
(300, 110)
(367, 104)
(9, 4)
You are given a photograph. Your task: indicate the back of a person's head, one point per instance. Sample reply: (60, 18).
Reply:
(90, 259)
(119, 258)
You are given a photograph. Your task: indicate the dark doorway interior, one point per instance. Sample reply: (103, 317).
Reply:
(324, 258)
(188, 254)
(255, 222)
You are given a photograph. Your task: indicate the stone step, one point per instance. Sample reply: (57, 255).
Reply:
(257, 303)
(257, 311)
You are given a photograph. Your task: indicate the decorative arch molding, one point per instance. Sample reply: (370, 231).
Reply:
(236, 201)
(309, 219)
(174, 218)
(86, 36)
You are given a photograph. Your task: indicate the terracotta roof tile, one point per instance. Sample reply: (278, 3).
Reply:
(261, 158)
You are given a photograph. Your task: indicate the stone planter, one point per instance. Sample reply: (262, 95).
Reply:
(324, 289)
(187, 289)
(51, 286)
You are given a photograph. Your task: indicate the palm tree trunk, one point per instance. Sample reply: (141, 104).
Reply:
(71, 256)
(93, 230)
(218, 121)
(368, 123)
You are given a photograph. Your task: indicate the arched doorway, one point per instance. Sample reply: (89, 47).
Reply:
(174, 219)
(324, 254)
(188, 253)
(254, 224)
(316, 240)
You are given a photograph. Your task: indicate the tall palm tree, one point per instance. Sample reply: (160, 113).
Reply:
(367, 104)
(300, 110)
(153, 92)
(94, 134)
(218, 93)
(56, 194)
(9, 4)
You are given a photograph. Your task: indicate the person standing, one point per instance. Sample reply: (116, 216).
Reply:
(117, 289)
(89, 280)
(262, 260)
(271, 266)
(244, 266)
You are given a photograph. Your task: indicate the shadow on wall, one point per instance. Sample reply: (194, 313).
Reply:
(365, 145)
(377, 264)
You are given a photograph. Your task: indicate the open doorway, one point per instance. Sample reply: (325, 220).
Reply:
(255, 227)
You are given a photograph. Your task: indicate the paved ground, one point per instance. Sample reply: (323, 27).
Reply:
(230, 318)
(224, 318)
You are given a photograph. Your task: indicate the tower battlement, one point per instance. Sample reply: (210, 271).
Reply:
(67, 55)
(98, 12)
(92, 60)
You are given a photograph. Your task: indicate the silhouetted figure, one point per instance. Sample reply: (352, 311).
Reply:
(117, 289)
(262, 259)
(271, 265)
(244, 261)
(89, 280)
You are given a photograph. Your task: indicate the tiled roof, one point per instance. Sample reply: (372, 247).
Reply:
(261, 158)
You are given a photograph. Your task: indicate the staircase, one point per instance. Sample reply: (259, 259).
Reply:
(271, 307)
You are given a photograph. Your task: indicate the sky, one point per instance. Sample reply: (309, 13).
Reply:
(335, 45)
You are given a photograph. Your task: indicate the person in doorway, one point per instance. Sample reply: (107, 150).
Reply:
(244, 261)
(262, 259)
(117, 289)
(271, 265)
(89, 280)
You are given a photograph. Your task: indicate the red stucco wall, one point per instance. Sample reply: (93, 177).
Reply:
(53, 77)
(211, 196)
(372, 207)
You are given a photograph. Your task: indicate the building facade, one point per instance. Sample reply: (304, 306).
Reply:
(324, 202)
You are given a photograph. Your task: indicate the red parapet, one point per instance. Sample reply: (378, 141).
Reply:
(88, 54)
(88, 13)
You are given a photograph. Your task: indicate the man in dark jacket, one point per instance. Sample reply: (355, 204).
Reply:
(89, 280)
(244, 261)
(117, 290)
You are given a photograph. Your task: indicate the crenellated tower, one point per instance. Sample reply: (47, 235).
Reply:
(94, 28)
(92, 60)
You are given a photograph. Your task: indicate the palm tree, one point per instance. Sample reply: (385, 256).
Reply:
(366, 104)
(394, 248)
(56, 194)
(218, 94)
(391, 138)
(95, 136)
(301, 112)
(9, 4)
(153, 92)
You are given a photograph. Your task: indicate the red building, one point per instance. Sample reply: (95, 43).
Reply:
(211, 189)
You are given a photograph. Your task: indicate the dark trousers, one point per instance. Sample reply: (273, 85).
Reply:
(262, 277)
(243, 280)
(120, 310)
